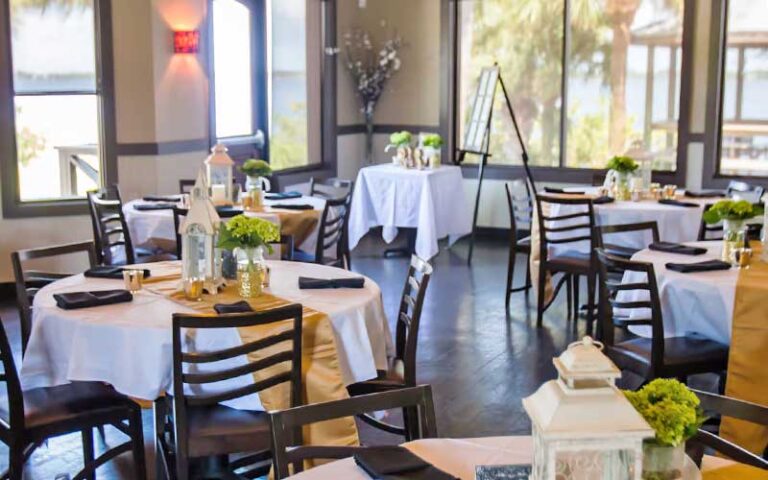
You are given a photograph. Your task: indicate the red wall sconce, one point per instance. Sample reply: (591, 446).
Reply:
(186, 41)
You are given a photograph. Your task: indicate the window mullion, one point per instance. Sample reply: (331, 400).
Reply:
(564, 82)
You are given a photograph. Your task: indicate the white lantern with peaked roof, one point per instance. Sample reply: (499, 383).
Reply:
(219, 169)
(199, 234)
(583, 426)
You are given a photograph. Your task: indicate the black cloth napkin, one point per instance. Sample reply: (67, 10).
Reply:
(74, 300)
(704, 193)
(105, 271)
(302, 206)
(677, 248)
(154, 206)
(238, 307)
(309, 283)
(161, 198)
(282, 196)
(707, 266)
(677, 203)
(393, 462)
(603, 199)
(562, 190)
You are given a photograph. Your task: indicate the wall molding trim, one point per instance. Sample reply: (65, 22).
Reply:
(162, 148)
(356, 129)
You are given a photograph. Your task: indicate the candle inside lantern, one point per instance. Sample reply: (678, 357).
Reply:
(218, 194)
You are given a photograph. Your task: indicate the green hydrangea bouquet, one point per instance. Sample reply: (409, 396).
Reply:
(256, 168)
(433, 140)
(400, 139)
(732, 210)
(622, 164)
(248, 232)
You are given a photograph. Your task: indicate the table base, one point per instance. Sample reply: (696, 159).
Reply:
(407, 250)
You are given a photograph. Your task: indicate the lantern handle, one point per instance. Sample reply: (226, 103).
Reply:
(587, 341)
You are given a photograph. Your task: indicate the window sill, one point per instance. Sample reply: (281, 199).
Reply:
(557, 174)
(49, 208)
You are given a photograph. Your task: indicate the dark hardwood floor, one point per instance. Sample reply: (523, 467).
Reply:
(480, 359)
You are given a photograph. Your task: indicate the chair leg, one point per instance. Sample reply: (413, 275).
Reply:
(540, 294)
(159, 412)
(568, 296)
(137, 445)
(576, 298)
(591, 281)
(88, 455)
(16, 462)
(510, 274)
(528, 284)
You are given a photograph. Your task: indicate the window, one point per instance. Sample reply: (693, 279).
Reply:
(621, 86)
(744, 139)
(55, 131)
(261, 78)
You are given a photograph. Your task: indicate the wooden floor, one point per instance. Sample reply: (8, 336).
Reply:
(479, 359)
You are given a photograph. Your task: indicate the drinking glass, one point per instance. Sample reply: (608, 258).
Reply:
(670, 191)
(193, 288)
(133, 279)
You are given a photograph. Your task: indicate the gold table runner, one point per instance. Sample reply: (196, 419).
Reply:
(298, 223)
(747, 372)
(321, 373)
(733, 472)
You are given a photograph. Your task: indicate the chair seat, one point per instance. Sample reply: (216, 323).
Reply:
(685, 355)
(57, 408)
(570, 262)
(392, 379)
(220, 430)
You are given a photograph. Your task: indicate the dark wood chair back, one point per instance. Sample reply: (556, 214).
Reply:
(332, 233)
(186, 185)
(646, 229)
(10, 378)
(110, 230)
(579, 225)
(611, 286)
(520, 206)
(286, 424)
(28, 282)
(330, 188)
(731, 407)
(409, 316)
(289, 355)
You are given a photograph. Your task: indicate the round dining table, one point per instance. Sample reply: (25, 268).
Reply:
(128, 345)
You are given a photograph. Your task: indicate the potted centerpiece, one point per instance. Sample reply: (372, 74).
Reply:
(248, 237)
(673, 411)
(622, 167)
(401, 141)
(431, 145)
(733, 214)
(256, 183)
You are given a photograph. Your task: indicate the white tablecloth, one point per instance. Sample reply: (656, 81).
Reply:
(146, 224)
(430, 200)
(676, 224)
(690, 302)
(128, 345)
(458, 457)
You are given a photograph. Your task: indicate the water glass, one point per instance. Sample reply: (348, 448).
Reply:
(193, 288)
(670, 191)
(741, 257)
(133, 279)
(654, 189)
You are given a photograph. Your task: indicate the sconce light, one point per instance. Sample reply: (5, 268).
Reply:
(186, 41)
(362, 3)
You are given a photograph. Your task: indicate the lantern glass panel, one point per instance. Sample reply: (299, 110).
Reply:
(195, 247)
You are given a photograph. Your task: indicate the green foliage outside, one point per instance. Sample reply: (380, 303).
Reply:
(28, 143)
(670, 408)
(288, 142)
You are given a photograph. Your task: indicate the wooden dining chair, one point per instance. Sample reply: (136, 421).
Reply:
(330, 188)
(193, 426)
(111, 235)
(579, 226)
(332, 234)
(717, 405)
(28, 282)
(402, 368)
(640, 229)
(287, 424)
(657, 356)
(32, 417)
(520, 213)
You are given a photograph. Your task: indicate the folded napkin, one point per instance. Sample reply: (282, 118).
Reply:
(677, 203)
(393, 462)
(562, 190)
(228, 208)
(677, 248)
(161, 198)
(707, 266)
(704, 193)
(154, 206)
(287, 206)
(282, 196)
(106, 271)
(307, 282)
(238, 307)
(603, 199)
(74, 300)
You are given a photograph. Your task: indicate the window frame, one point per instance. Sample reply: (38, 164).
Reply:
(713, 139)
(449, 123)
(13, 207)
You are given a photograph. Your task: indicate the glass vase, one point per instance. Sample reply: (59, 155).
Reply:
(622, 191)
(734, 237)
(251, 271)
(662, 462)
(253, 200)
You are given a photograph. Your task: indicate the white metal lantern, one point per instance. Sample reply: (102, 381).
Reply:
(219, 168)
(583, 426)
(644, 158)
(199, 234)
